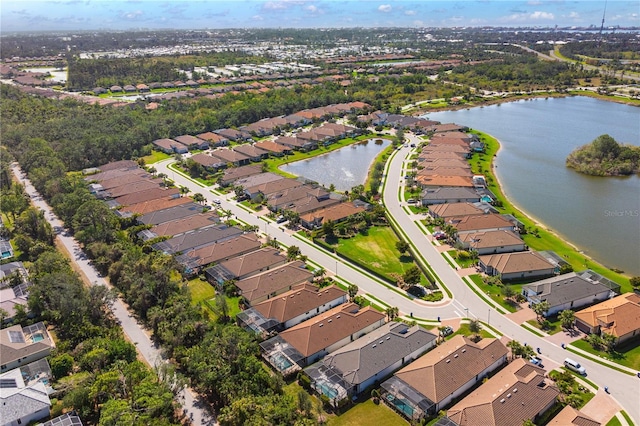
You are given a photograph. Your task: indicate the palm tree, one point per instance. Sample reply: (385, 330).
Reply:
(392, 312)
(198, 198)
(184, 190)
(567, 318)
(540, 309)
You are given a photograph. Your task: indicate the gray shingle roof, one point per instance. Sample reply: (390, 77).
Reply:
(565, 288)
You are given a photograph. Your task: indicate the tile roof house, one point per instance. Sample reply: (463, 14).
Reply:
(569, 416)
(147, 195)
(22, 403)
(197, 238)
(170, 146)
(427, 181)
(150, 206)
(244, 266)
(253, 152)
(481, 222)
(360, 364)
(224, 249)
(172, 213)
(232, 174)
(185, 224)
(233, 135)
(22, 345)
(491, 242)
(335, 213)
(192, 142)
(214, 139)
(275, 149)
(436, 379)
(230, 156)
(517, 265)
(11, 297)
(281, 200)
(448, 195)
(268, 188)
(449, 210)
(289, 309)
(312, 339)
(619, 316)
(517, 393)
(443, 162)
(209, 162)
(567, 291)
(257, 179)
(445, 171)
(306, 205)
(274, 282)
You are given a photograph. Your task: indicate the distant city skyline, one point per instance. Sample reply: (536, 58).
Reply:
(69, 15)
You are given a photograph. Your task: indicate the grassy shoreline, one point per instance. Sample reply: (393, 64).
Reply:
(548, 239)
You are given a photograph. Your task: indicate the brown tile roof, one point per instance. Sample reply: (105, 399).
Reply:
(208, 161)
(445, 171)
(277, 281)
(118, 165)
(223, 250)
(311, 204)
(235, 173)
(148, 195)
(621, 312)
(443, 162)
(507, 263)
(322, 331)
(447, 210)
(479, 222)
(228, 155)
(435, 155)
(274, 186)
(188, 140)
(212, 137)
(258, 179)
(12, 350)
(426, 151)
(250, 150)
(114, 174)
(448, 127)
(517, 393)
(154, 205)
(436, 379)
(334, 213)
(254, 261)
(178, 226)
(300, 299)
(571, 416)
(434, 180)
(272, 147)
(447, 136)
(134, 186)
(488, 239)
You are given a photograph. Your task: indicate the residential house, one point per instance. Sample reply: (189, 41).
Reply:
(569, 416)
(11, 297)
(230, 156)
(273, 148)
(437, 181)
(66, 419)
(281, 200)
(312, 339)
(438, 378)
(304, 206)
(334, 213)
(449, 195)
(192, 142)
(449, 127)
(265, 189)
(567, 291)
(197, 238)
(274, 282)
(254, 153)
(441, 155)
(302, 302)
(21, 402)
(445, 171)
(350, 370)
(230, 175)
(518, 265)
(147, 195)
(197, 258)
(482, 222)
(180, 226)
(145, 207)
(432, 163)
(209, 162)
(115, 89)
(296, 143)
(142, 88)
(214, 139)
(519, 392)
(257, 179)
(244, 266)
(22, 345)
(233, 135)
(491, 242)
(449, 210)
(136, 184)
(181, 211)
(619, 316)
(170, 146)
(129, 88)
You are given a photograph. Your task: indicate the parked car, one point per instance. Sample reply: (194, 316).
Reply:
(281, 219)
(216, 201)
(439, 235)
(575, 366)
(446, 331)
(412, 201)
(536, 361)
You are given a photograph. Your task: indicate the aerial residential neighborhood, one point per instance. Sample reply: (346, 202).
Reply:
(312, 213)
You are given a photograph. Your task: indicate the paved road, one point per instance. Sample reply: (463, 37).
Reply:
(624, 388)
(136, 333)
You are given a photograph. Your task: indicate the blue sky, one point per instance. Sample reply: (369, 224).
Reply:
(46, 15)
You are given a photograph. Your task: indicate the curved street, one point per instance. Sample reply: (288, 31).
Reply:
(624, 388)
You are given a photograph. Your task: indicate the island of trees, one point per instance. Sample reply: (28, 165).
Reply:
(604, 156)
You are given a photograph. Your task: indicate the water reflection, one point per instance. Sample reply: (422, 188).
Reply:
(345, 167)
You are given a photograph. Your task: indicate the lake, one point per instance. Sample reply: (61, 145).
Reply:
(599, 215)
(345, 167)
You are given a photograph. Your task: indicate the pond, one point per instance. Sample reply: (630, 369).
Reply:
(345, 167)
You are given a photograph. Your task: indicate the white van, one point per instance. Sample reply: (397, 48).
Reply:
(575, 366)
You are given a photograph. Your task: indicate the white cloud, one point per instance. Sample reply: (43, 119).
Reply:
(574, 15)
(257, 18)
(541, 15)
(409, 12)
(525, 17)
(386, 8)
(281, 5)
(132, 15)
(314, 10)
(534, 3)
(418, 23)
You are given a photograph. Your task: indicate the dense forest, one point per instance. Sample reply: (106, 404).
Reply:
(604, 156)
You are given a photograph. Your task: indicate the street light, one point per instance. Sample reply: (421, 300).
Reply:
(466, 312)
(336, 268)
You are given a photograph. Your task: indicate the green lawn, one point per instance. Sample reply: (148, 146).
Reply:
(627, 355)
(585, 394)
(494, 293)
(200, 290)
(546, 240)
(555, 326)
(464, 263)
(614, 422)
(376, 249)
(464, 330)
(155, 156)
(368, 413)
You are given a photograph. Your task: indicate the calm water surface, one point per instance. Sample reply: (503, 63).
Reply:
(345, 167)
(601, 216)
